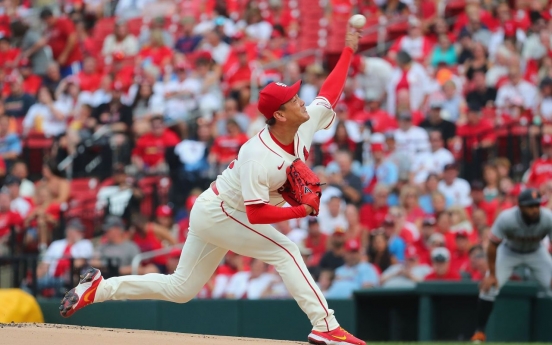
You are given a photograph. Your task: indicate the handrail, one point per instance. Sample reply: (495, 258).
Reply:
(135, 264)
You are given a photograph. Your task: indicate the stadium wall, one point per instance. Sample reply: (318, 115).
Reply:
(431, 311)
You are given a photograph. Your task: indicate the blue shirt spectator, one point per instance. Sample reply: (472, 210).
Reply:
(354, 275)
(10, 144)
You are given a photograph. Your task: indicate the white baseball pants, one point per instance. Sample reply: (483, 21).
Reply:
(215, 229)
(507, 260)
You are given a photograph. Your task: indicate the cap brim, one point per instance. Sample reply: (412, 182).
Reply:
(292, 90)
(536, 202)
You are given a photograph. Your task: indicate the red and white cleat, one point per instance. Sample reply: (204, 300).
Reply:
(83, 294)
(338, 336)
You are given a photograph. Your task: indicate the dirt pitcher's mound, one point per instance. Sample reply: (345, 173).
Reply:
(49, 334)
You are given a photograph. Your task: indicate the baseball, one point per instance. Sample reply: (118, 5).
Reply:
(357, 21)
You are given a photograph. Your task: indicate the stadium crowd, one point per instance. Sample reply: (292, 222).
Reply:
(415, 167)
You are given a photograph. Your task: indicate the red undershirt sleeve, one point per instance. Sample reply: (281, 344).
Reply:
(334, 84)
(269, 214)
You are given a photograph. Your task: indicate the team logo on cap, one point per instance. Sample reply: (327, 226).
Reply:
(534, 194)
(307, 190)
(280, 84)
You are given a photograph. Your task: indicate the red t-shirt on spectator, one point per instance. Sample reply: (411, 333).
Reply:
(7, 220)
(31, 84)
(540, 171)
(424, 254)
(381, 120)
(57, 40)
(8, 56)
(450, 276)
(89, 82)
(150, 242)
(354, 104)
(458, 260)
(475, 134)
(157, 54)
(372, 218)
(489, 207)
(152, 149)
(487, 19)
(318, 248)
(226, 147)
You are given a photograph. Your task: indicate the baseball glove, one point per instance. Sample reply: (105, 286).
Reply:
(302, 186)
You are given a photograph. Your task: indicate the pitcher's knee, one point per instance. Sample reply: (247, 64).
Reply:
(181, 291)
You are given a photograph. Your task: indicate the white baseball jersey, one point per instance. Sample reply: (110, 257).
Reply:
(260, 169)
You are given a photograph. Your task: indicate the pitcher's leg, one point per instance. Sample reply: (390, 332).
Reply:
(265, 243)
(198, 261)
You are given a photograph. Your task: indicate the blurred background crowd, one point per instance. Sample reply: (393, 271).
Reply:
(116, 115)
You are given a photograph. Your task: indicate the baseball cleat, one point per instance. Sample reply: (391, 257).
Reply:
(338, 336)
(478, 338)
(83, 294)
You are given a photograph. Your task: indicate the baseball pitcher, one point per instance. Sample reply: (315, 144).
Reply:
(516, 237)
(235, 213)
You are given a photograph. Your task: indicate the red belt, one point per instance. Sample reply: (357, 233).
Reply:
(214, 188)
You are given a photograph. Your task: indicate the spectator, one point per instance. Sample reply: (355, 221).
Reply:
(19, 170)
(475, 27)
(455, 188)
(477, 266)
(373, 117)
(89, 78)
(8, 219)
(491, 178)
(42, 220)
(410, 76)
(378, 251)
(516, 86)
(353, 275)
(410, 138)
(334, 257)
(402, 228)
(54, 270)
(341, 141)
(414, 42)
(376, 74)
(379, 171)
(478, 62)
(187, 41)
(444, 52)
(225, 147)
(440, 261)
(477, 132)
(479, 202)
(541, 169)
(181, 94)
(250, 284)
(356, 230)
(452, 102)
(121, 197)
(545, 106)
(503, 166)
(426, 199)
(460, 256)
(426, 163)
(316, 241)
(349, 183)
(149, 236)
(435, 122)
(157, 24)
(18, 204)
(156, 52)
(461, 223)
(481, 95)
(239, 73)
(406, 274)
(231, 111)
(114, 113)
(218, 49)
(52, 79)
(46, 116)
(394, 8)
(149, 153)
(120, 41)
(353, 102)
(32, 45)
(31, 82)
(18, 103)
(334, 217)
(10, 144)
(409, 202)
(440, 202)
(56, 183)
(401, 158)
(62, 39)
(143, 108)
(423, 245)
(372, 215)
(117, 252)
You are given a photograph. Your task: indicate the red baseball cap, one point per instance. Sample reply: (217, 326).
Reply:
(352, 246)
(163, 211)
(274, 95)
(462, 233)
(377, 147)
(547, 139)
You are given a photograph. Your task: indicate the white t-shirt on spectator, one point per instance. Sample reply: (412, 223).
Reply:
(297, 235)
(430, 162)
(220, 285)
(26, 189)
(523, 90)
(177, 107)
(50, 126)
(219, 53)
(128, 46)
(414, 140)
(376, 75)
(399, 280)
(546, 108)
(118, 199)
(459, 192)
(328, 224)
(352, 128)
(83, 249)
(242, 285)
(130, 8)
(21, 206)
(259, 31)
